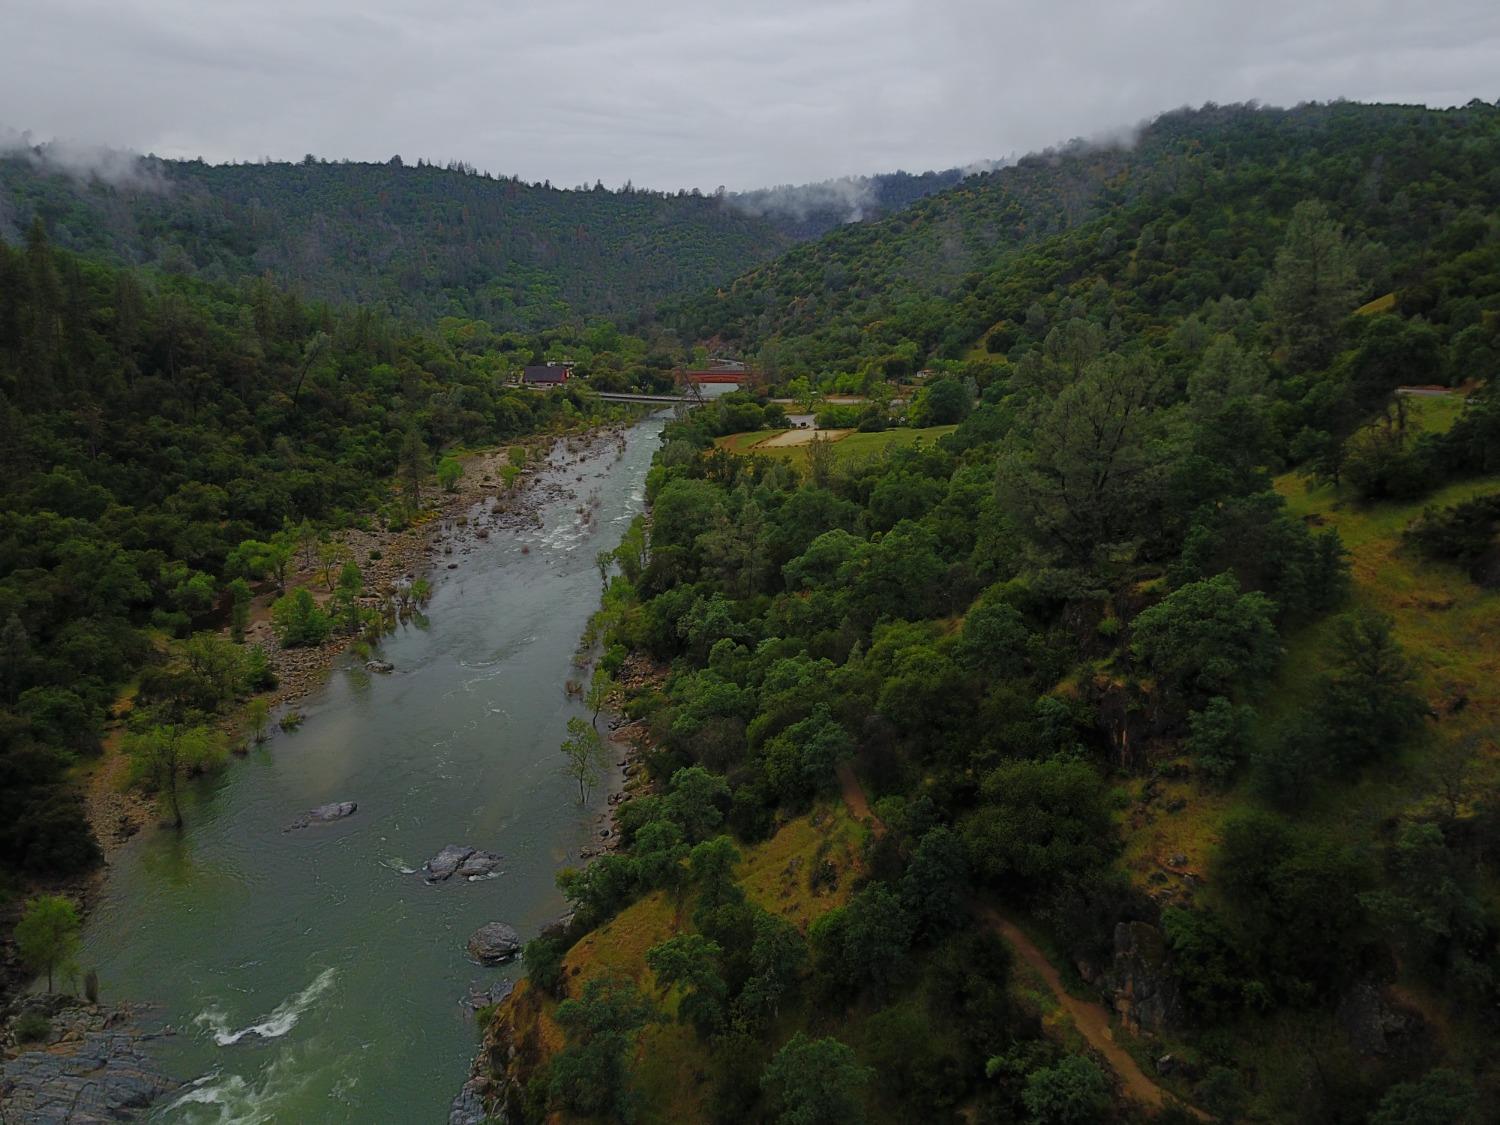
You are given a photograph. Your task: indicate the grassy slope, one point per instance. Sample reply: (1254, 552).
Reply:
(671, 1063)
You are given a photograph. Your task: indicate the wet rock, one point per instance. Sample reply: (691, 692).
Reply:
(462, 861)
(323, 814)
(379, 666)
(445, 863)
(479, 864)
(494, 943)
(486, 995)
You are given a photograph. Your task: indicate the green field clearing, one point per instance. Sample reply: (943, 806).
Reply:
(853, 447)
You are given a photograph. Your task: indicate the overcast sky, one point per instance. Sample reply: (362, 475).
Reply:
(680, 93)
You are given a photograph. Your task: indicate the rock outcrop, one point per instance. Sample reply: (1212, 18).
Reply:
(494, 943)
(90, 1068)
(465, 862)
(1140, 982)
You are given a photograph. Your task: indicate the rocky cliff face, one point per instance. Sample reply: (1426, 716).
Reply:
(1140, 983)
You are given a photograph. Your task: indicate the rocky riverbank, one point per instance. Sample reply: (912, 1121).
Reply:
(453, 525)
(63, 1059)
(511, 1045)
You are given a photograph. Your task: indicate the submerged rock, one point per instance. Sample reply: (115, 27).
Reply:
(379, 666)
(465, 862)
(494, 943)
(323, 814)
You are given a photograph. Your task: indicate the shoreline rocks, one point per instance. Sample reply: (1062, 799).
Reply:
(89, 1069)
(494, 943)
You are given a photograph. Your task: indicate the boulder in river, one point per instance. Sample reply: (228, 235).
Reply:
(465, 862)
(379, 666)
(323, 814)
(494, 943)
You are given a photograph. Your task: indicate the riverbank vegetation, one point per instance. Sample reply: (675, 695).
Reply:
(1176, 653)
(169, 447)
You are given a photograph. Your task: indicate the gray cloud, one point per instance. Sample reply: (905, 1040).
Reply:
(671, 93)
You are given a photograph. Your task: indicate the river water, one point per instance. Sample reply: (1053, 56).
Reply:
(309, 976)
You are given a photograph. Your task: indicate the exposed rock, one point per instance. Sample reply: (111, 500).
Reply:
(494, 943)
(91, 1071)
(482, 995)
(323, 814)
(1374, 1024)
(379, 666)
(463, 861)
(1140, 982)
(445, 863)
(479, 864)
(468, 1106)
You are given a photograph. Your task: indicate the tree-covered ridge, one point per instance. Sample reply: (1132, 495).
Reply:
(1102, 621)
(160, 438)
(417, 242)
(1135, 237)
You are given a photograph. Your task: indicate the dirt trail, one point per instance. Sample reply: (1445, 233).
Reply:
(1091, 1019)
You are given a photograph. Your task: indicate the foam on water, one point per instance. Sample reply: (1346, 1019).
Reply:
(275, 1025)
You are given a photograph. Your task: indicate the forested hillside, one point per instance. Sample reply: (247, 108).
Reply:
(416, 242)
(1178, 655)
(150, 429)
(1130, 237)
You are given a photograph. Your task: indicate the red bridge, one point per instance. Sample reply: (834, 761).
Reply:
(717, 376)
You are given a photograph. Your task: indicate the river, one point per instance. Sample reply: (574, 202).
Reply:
(309, 976)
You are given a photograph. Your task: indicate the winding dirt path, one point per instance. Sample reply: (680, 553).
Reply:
(1091, 1019)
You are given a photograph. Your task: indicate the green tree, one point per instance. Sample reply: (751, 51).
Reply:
(799, 762)
(1074, 1092)
(47, 936)
(1040, 824)
(298, 620)
(257, 558)
(590, 1075)
(1439, 1097)
(690, 962)
(258, 719)
(601, 685)
(449, 471)
(815, 1082)
(1313, 287)
(1369, 705)
(239, 609)
(1083, 475)
(584, 754)
(943, 402)
(1207, 638)
(415, 462)
(164, 755)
